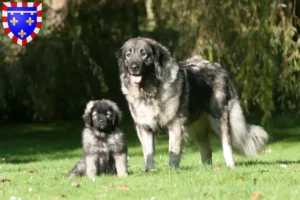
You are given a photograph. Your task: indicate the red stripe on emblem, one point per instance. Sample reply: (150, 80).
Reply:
(4, 7)
(4, 19)
(24, 42)
(7, 31)
(36, 4)
(15, 39)
(24, 4)
(13, 4)
(33, 35)
(39, 24)
(39, 13)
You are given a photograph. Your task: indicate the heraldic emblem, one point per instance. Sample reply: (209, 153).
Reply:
(22, 20)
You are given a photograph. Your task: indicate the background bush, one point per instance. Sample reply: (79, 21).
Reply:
(72, 59)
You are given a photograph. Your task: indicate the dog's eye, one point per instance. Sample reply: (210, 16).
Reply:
(108, 114)
(129, 52)
(143, 53)
(95, 114)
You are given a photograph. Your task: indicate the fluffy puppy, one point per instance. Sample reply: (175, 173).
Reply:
(104, 148)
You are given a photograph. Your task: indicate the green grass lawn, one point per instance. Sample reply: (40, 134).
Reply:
(35, 160)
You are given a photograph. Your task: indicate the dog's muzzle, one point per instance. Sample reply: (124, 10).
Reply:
(135, 73)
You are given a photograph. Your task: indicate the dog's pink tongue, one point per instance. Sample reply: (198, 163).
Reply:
(136, 79)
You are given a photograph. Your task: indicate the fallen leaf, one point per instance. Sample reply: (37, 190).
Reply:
(284, 166)
(5, 181)
(55, 198)
(241, 181)
(75, 184)
(153, 170)
(255, 195)
(218, 167)
(123, 187)
(104, 187)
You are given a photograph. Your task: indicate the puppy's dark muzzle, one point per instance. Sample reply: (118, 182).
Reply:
(101, 122)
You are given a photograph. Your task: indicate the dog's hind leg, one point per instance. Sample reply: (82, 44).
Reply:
(225, 139)
(147, 140)
(220, 118)
(79, 169)
(205, 148)
(200, 132)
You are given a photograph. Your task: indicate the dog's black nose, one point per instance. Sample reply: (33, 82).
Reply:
(134, 67)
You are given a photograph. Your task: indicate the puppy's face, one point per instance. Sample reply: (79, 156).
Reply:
(102, 118)
(138, 60)
(102, 115)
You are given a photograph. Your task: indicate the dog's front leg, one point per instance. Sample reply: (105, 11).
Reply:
(147, 140)
(121, 164)
(177, 133)
(91, 165)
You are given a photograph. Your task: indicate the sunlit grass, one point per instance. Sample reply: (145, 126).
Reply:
(52, 150)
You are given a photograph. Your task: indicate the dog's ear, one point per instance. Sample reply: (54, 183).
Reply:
(116, 113)
(120, 60)
(163, 61)
(117, 117)
(87, 116)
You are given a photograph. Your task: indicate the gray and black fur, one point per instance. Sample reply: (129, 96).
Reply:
(104, 147)
(195, 95)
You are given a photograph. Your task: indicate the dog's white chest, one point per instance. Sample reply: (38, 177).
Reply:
(145, 113)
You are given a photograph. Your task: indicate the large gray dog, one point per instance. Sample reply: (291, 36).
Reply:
(164, 95)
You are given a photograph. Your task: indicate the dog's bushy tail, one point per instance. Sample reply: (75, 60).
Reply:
(247, 139)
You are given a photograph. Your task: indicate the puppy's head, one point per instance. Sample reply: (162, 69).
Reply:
(104, 115)
(143, 57)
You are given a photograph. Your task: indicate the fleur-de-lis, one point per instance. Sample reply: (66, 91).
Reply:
(14, 21)
(29, 21)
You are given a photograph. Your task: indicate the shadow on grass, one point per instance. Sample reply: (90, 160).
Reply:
(254, 163)
(25, 143)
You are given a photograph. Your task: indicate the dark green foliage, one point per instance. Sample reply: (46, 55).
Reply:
(72, 60)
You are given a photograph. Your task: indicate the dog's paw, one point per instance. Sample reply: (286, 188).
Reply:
(71, 176)
(151, 170)
(123, 174)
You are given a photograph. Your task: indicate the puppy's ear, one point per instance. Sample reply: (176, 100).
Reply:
(87, 116)
(117, 117)
(116, 113)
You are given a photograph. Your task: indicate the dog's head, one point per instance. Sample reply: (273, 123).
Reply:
(141, 58)
(103, 115)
